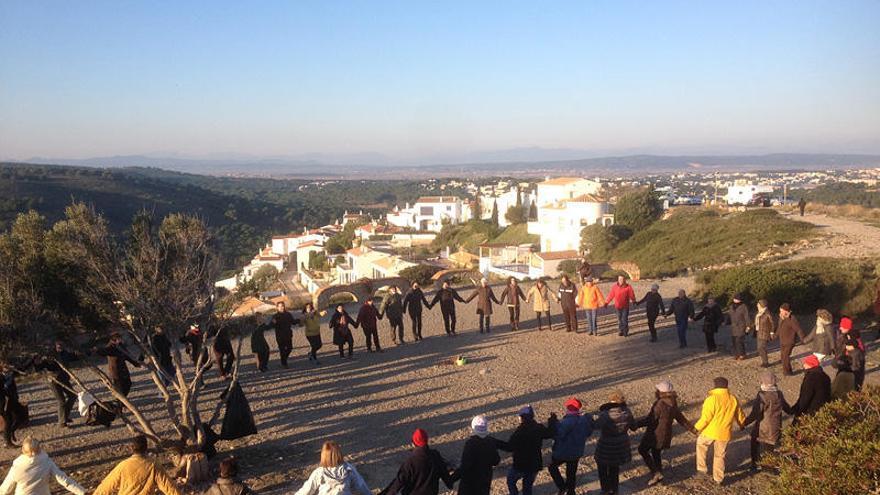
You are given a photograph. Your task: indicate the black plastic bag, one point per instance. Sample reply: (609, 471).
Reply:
(238, 421)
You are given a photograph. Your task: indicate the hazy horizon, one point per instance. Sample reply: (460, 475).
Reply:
(391, 83)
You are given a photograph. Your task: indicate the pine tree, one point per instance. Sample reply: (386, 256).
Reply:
(494, 219)
(533, 211)
(478, 207)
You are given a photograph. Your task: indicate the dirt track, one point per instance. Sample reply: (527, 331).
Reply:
(372, 404)
(841, 238)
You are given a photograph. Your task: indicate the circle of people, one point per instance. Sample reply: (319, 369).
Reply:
(425, 468)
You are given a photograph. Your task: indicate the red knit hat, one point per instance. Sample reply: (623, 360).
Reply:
(811, 361)
(420, 437)
(573, 404)
(845, 324)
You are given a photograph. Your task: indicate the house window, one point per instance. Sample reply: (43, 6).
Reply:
(427, 211)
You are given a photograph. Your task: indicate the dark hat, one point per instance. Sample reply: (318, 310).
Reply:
(720, 382)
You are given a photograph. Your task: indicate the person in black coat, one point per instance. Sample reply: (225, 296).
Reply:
(193, 341)
(713, 319)
(161, 348)
(479, 457)
(117, 357)
(682, 308)
(341, 323)
(653, 308)
(422, 471)
(59, 380)
(412, 304)
(283, 323)
(815, 389)
(368, 319)
(525, 443)
(224, 356)
(447, 296)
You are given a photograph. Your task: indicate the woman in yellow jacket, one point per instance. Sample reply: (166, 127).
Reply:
(591, 299)
(720, 410)
(541, 295)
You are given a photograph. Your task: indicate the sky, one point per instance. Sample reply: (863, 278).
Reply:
(407, 80)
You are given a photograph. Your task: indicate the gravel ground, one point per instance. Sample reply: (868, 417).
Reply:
(372, 404)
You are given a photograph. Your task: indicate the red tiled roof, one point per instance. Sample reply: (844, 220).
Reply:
(558, 255)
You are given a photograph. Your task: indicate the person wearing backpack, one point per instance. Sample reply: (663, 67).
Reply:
(334, 476)
(227, 483)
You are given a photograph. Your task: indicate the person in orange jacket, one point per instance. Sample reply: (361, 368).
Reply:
(590, 298)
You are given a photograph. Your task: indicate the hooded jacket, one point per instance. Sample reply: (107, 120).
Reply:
(614, 422)
(720, 410)
(571, 435)
(343, 479)
(30, 476)
(658, 422)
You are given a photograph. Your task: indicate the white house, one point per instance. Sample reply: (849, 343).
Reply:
(283, 245)
(742, 194)
(559, 189)
(304, 251)
(363, 262)
(559, 224)
(546, 264)
(264, 257)
(504, 201)
(428, 213)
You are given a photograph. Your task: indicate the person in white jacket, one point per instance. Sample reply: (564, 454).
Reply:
(31, 471)
(334, 476)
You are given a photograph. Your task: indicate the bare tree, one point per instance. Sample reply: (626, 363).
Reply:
(158, 276)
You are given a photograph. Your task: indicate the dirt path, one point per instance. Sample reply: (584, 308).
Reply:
(372, 404)
(841, 238)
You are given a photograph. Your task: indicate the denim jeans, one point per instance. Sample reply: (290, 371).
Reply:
(682, 327)
(623, 321)
(528, 479)
(592, 320)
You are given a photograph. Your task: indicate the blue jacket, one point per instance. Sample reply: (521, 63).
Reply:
(571, 436)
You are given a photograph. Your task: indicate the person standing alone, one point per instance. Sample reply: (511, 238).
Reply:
(622, 294)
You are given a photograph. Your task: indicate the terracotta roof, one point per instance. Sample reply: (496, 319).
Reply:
(560, 181)
(248, 305)
(437, 199)
(367, 228)
(385, 262)
(558, 255)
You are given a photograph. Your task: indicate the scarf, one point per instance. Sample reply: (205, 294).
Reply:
(768, 388)
(820, 325)
(758, 316)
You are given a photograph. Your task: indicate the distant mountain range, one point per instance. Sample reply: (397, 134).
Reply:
(377, 166)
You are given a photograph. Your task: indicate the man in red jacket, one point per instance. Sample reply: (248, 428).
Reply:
(622, 294)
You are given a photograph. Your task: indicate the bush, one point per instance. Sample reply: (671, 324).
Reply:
(638, 209)
(841, 286)
(701, 238)
(835, 451)
(600, 241)
(516, 215)
(420, 274)
(569, 267)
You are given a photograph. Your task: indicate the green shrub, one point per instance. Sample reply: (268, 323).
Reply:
(516, 235)
(638, 209)
(600, 241)
(835, 451)
(569, 267)
(698, 238)
(841, 286)
(420, 274)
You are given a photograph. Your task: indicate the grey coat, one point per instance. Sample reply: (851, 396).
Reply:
(739, 320)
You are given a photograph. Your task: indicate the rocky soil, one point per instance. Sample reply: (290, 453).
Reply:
(372, 404)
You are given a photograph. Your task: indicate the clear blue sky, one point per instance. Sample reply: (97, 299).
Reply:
(413, 79)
